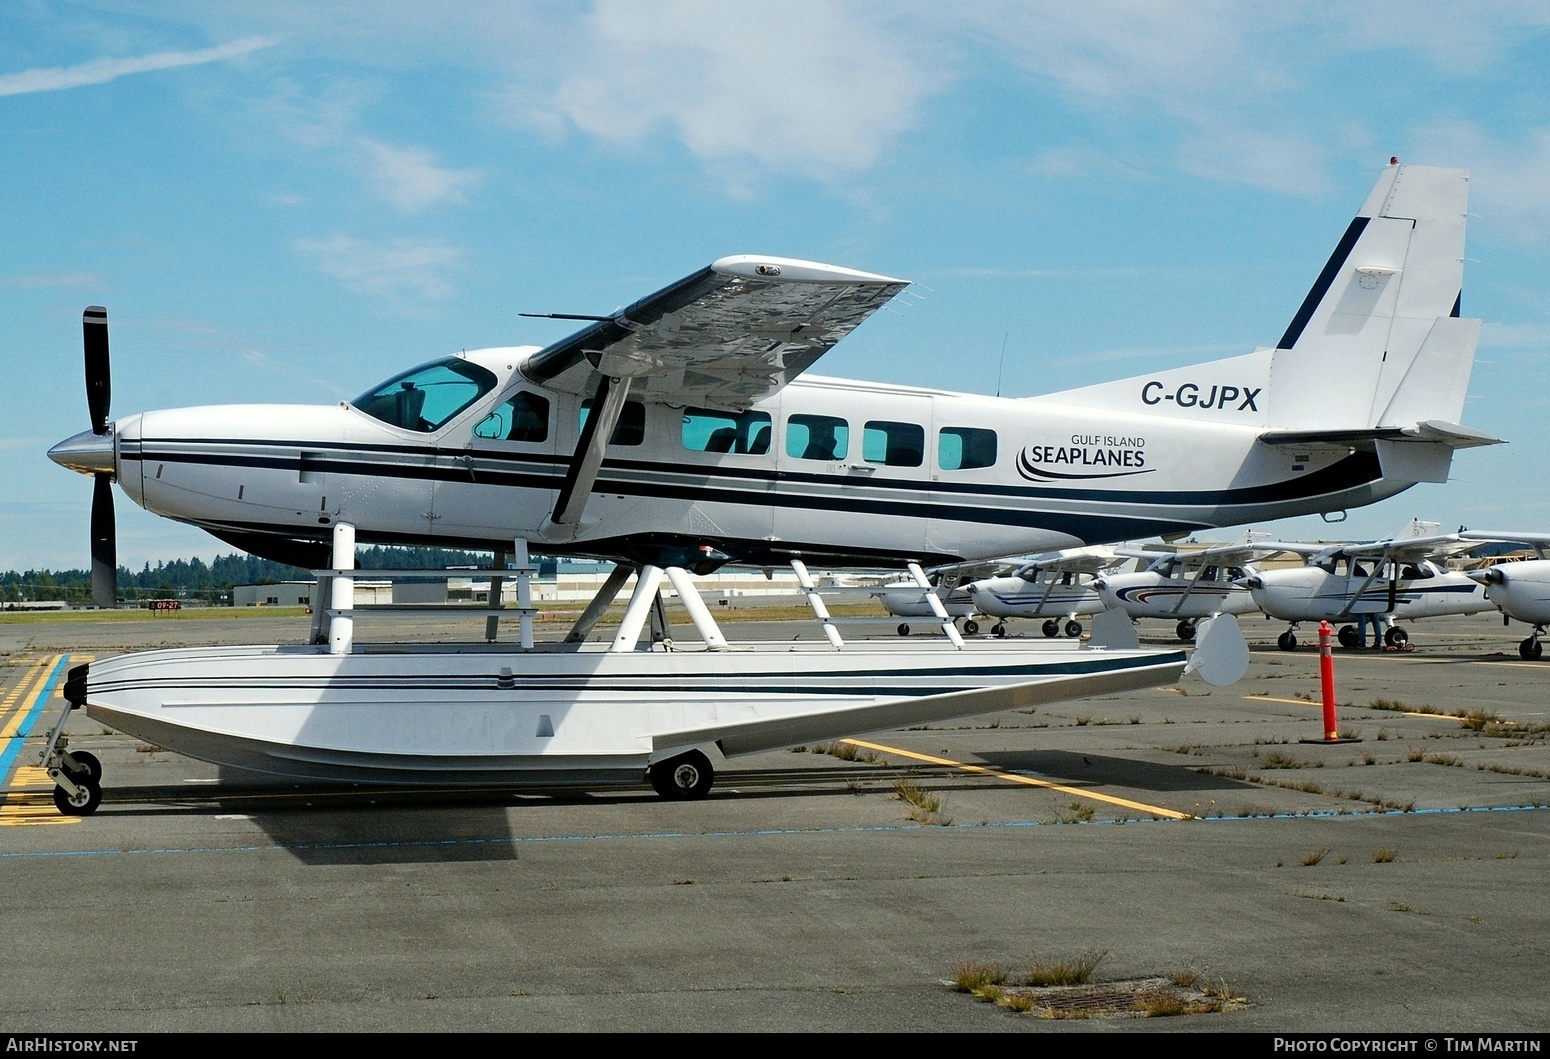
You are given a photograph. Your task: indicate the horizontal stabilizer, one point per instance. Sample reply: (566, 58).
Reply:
(1452, 435)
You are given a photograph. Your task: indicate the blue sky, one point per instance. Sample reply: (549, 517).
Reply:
(288, 201)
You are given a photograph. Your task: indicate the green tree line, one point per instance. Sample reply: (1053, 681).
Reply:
(196, 581)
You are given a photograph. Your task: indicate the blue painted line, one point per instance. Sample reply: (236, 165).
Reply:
(314, 847)
(9, 755)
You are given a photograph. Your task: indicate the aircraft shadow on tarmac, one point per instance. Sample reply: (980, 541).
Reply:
(1095, 771)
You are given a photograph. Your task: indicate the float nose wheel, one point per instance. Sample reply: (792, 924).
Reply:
(1530, 650)
(76, 773)
(686, 777)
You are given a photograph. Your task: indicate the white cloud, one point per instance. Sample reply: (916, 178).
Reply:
(1287, 163)
(807, 87)
(390, 269)
(53, 280)
(410, 179)
(101, 71)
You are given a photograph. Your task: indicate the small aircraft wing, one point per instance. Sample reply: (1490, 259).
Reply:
(724, 337)
(1538, 540)
(1236, 553)
(1412, 545)
(1091, 560)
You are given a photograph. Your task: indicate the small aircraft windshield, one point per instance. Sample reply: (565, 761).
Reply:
(424, 398)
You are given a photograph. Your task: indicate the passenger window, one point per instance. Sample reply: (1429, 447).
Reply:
(893, 444)
(631, 428)
(745, 434)
(965, 448)
(817, 438)
(523, 418)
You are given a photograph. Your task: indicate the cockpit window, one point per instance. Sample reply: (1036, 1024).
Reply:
(424, 398)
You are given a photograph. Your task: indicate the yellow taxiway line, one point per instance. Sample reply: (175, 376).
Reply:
(1358, 706)
(22, 809)
(1029, 781)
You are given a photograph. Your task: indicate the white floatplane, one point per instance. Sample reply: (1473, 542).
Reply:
(676, 435)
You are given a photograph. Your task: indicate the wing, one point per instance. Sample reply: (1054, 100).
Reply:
(1236, 554)
(724, 337)
(1412, 549)
(1090, 560)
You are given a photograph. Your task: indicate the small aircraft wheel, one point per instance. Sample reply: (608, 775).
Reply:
(1073, 629)
(970, 627)
(1287, 641)
(1530, 650)
(904, 630)
(686, 777)
(90, 767)
(1050, 628)
(998, 629)
(1348, 637)
(83, 804)
(1396, 637)
(1185, 630)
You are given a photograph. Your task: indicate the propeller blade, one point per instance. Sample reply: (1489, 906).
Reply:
(104, 543)
(99, 388)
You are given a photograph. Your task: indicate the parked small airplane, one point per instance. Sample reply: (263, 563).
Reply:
(1052, 587)
(683, 430)
(1520, 590)
(905, 599)
(1187, 586)
(682, 433)
(1388, 581)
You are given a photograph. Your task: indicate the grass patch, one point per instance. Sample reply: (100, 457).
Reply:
(1382, 855)
(1081, 811)
(1313, 857)
(1068, 971)
(847, 752)
(925, 807)
(972, 977)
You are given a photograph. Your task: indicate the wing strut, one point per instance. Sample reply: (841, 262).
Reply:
(587, 460)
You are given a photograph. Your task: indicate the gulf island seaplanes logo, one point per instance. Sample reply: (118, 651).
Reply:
(1085, 457)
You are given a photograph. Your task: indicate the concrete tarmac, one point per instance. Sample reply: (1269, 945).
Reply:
(1395, 883)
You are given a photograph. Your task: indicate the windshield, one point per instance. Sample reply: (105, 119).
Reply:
(424, 398)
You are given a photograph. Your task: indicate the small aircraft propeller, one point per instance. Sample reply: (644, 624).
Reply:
(99, 393)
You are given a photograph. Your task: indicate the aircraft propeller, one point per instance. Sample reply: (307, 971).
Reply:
(93, 453)
(99, 393)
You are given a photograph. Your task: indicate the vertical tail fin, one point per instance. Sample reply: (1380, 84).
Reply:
(1376, 336)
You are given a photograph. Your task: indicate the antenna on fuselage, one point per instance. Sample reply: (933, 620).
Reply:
(1002, 366)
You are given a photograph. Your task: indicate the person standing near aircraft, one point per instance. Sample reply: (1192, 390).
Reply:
(1363, 623)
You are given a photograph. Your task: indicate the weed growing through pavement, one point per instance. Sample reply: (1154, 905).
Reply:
(1066, 971)
(925, 807)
